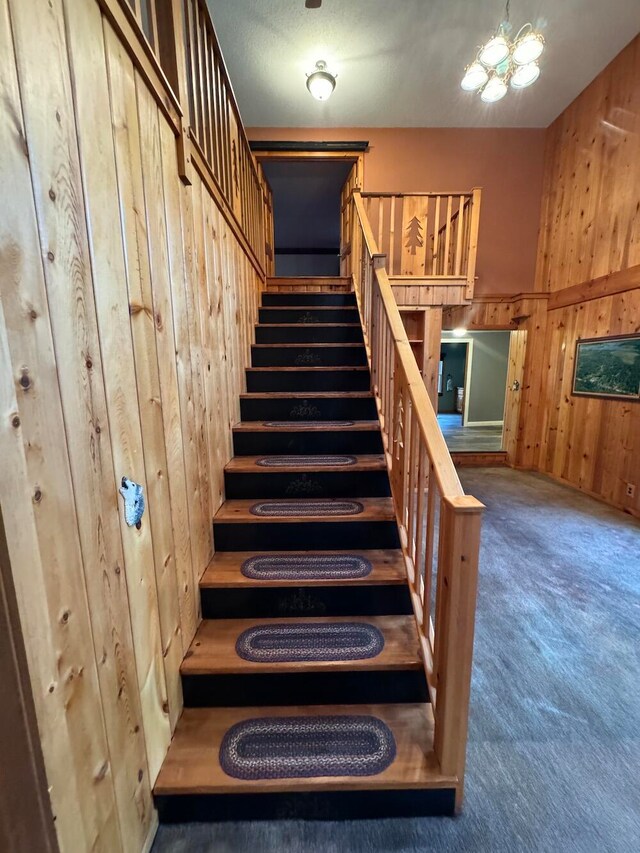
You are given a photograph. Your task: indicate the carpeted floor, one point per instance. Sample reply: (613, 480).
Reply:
(554, 749)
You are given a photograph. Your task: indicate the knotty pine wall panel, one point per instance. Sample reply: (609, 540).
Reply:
(591, 443)
(590, 224)
(590, 227)
(126, 317)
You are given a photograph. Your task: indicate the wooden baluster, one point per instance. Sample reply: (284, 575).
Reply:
(421, 520)
(428, 554)
(447, 237)
(193, 32)
(375, 343)
(412, 528)
(436, 237)
(392, 239)
(460, 520)
(405, 458)
(459, 237)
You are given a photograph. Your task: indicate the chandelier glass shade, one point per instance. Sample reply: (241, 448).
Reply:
(503, 62)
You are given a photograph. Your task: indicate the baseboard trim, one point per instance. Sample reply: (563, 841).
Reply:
(483, 423)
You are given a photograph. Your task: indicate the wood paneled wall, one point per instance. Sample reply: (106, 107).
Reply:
(126, 314)
(590, 228)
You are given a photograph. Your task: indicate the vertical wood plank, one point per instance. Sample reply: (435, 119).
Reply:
(97, 159)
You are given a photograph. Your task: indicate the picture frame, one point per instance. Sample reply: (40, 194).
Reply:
(607, 368)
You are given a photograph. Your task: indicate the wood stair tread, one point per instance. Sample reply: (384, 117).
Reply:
(304, 395)
(338, 345)
(309, 325)
(311, 368)
(192, 764)
(238, 512)
(224, 570)
(303, 426)
(213, 648)
(249, 464)
(307, 307)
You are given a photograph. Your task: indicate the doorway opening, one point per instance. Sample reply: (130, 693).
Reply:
(472, 390)
(306, 212)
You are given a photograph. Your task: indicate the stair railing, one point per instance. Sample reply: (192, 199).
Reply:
(439, 525)
(430, 236)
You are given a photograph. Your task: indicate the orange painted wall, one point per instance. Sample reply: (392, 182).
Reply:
(506, 163)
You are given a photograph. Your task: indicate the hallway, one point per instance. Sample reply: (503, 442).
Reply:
(555, 717)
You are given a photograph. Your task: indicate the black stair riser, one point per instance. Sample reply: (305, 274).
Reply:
(313, 484)
(324, 299)
(307, 805)
(308, 316)
(308, 380)
(267, 601)
(309, 334)
(258, 442)
(303, 356)
(304, 688)
(304, 535)
(308, 409)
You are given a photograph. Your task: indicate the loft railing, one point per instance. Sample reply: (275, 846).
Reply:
(216, 129)
(175, 48)
(427, 235)
(439, 525)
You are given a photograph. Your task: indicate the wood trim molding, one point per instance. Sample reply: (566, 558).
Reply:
(596, 288)
(263, 146)
(505, 298)
(26, 822)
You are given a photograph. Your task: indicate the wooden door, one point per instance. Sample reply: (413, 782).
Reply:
(515, 374)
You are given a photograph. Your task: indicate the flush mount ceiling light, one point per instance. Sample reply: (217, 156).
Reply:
(503, 61)
(320, 83)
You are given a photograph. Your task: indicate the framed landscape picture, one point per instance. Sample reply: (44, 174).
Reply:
(608, 367)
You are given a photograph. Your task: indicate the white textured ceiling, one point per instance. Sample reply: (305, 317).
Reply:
(399, 62)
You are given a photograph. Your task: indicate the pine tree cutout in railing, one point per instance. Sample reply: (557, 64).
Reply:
(414, 235)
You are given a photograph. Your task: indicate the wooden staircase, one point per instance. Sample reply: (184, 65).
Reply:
(308, 394)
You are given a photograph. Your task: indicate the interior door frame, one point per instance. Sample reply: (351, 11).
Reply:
(280, 152)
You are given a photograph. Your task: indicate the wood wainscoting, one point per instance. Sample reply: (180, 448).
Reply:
(127, 312)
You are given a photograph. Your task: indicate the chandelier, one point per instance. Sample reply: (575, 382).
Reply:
(503, 61)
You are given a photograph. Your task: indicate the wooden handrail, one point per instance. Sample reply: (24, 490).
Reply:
(439, 525)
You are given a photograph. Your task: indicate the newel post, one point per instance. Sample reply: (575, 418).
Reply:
(457, 584)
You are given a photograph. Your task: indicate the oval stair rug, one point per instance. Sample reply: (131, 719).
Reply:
(286, 643)
(297, 461)
(285, 509)
(312, 424)
(302, 747)
(281, 567)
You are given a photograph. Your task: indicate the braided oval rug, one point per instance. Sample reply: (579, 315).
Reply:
(285, 509)
(286, 643)
(301, 461)
(302, 747)
(280, 567)
(310, 424)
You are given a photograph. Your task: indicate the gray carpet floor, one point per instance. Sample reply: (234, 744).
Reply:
(554, 742)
